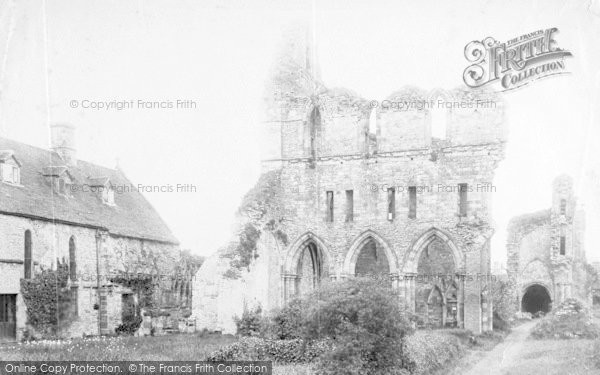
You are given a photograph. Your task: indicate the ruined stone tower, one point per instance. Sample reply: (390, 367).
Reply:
(546, 257)
(348, 196)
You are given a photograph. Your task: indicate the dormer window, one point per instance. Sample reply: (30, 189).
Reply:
(104, 188)
(10, 168)
(59, 179)
(108, 195)
(11, 174)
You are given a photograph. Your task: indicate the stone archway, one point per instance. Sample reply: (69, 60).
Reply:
(432, 263)
(370, 255)
(536, 298)
(306, 266)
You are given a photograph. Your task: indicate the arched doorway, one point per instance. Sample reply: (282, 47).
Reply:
(310, 270)
(535, 299)
(306, 266)
(435, 273)
(372, 260)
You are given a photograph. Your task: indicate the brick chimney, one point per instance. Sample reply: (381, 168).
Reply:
(62, 139)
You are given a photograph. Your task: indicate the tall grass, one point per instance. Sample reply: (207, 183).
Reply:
(125, 348)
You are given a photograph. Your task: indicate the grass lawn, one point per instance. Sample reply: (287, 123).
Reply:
(192, 347)
(188, 347)
(184, 347)
(557, 357)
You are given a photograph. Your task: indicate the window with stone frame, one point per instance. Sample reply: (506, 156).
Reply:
(349, 205)
(10, 173)
(563, 206)
(28, 257)
(391, 199)
(329, 197)
(412, 202)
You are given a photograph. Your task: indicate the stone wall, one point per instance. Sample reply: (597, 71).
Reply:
(534, 249)
(115, 254)
(318, 142)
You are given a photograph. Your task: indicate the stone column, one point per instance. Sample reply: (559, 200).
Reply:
(472, 293)
(460, 300)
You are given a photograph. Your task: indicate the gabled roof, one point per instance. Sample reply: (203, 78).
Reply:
(8, 154)
(131, 216)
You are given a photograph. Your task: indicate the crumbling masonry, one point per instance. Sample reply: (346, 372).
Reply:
(348, 196)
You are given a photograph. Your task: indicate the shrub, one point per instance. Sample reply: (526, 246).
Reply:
(129, 325)
(250, 323)
(499, 323)
(365, 322)
(503, 304)
(49, 301)
(427, 351)
(287, 323)
(569, 320)
(280, 351)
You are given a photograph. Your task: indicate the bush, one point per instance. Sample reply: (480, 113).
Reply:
(130, 325)
(569, 320)
(364, 320)
(499, 324)
(287, 323)
(280, 351)
(250, 324)
(427, 351)
(49, 301)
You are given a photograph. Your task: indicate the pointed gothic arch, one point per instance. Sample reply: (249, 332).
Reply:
(411, 258)
(359, 243)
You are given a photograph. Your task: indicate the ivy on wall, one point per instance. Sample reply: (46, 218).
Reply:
(50, 306)
(259, 209)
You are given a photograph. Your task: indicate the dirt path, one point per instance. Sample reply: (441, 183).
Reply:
(504, 353)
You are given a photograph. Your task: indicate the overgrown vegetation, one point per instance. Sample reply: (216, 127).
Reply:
(260, 213)
(49, 300)
(503, 305)
(568, 321)
(250, 323)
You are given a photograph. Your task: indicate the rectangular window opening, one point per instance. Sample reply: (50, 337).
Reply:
(563, 206)
(391, 213)
(330, 206)
(563, 243)
(412, 202)
(349, 205)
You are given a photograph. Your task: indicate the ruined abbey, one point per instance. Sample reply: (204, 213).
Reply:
(546, 256)
(351, 188)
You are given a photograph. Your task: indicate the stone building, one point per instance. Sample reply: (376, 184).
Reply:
(545, 253)
(57, 209)
(349, 189)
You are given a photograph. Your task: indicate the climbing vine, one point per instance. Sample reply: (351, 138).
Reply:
(258, 209)
(49, 300)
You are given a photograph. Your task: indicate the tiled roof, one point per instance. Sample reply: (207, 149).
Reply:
(131, 216)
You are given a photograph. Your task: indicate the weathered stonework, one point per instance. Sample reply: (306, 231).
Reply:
(101, 241)
(536, 267)
(319, 146)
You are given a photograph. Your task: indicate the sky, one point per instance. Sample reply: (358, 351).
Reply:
(60, 59)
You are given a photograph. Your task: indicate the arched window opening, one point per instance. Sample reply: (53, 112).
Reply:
(72, 259)
(439, 117)
(28, 265)
(372, 260)
(310, 269)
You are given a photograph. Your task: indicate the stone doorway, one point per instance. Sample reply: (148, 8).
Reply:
(535, 299)
(310, 269)
(8, 320)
